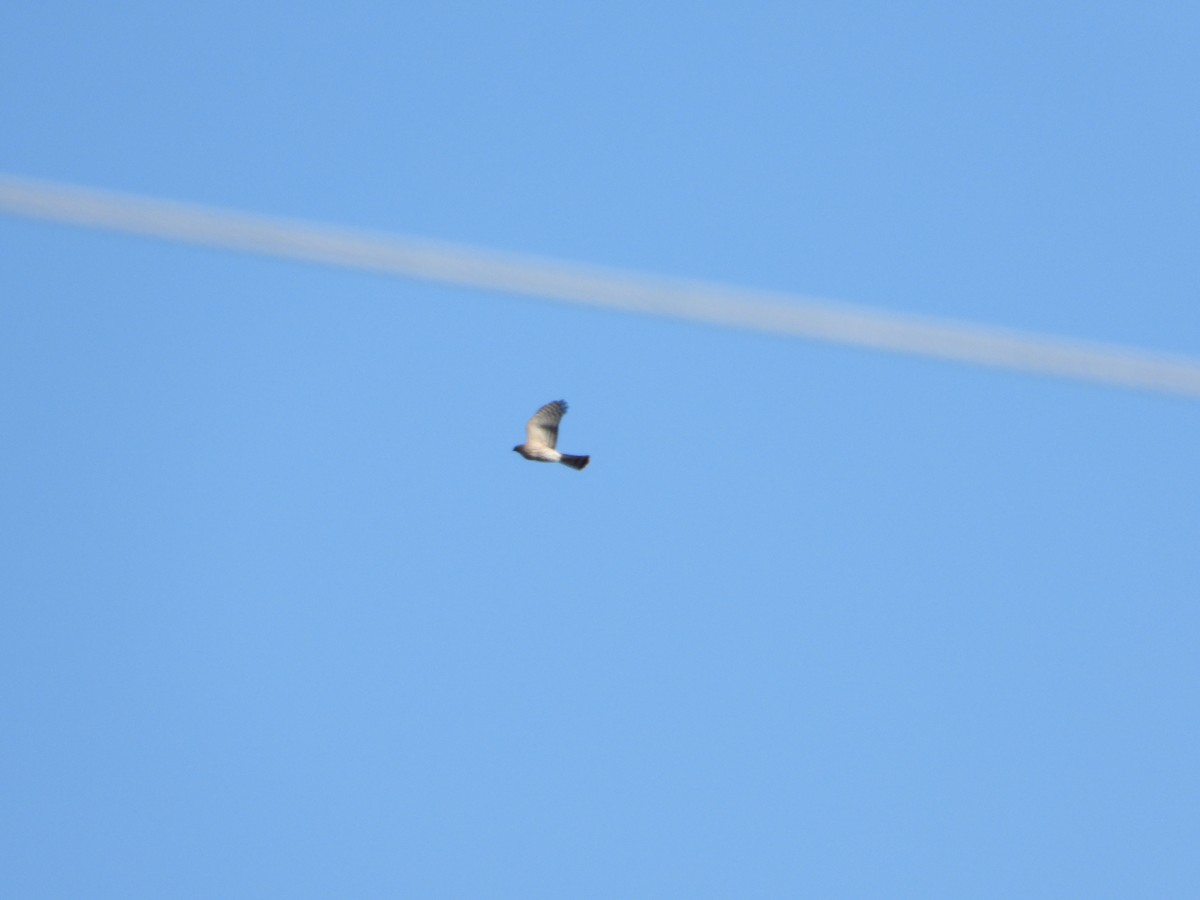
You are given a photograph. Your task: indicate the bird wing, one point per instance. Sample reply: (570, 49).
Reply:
(542, 429)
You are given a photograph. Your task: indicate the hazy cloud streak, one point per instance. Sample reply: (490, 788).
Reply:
(764, 311)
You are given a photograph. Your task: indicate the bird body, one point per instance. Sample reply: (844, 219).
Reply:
(541, 438)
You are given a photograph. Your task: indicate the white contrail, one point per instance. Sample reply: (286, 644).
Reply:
(774, 313)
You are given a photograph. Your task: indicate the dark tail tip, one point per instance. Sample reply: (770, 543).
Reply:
(575, 462)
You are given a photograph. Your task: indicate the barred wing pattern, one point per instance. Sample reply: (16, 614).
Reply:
(542, 429)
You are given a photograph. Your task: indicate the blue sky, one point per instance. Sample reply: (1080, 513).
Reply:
(284, 616)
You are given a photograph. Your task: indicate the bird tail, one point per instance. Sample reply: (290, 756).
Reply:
(575, 462)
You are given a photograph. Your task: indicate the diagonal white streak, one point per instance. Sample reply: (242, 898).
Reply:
(765, 311)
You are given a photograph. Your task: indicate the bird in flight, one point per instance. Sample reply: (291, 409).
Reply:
(541, 437)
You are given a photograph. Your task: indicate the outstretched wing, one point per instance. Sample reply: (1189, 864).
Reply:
(542, 429)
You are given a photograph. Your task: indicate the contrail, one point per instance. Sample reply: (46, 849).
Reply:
(714, 304)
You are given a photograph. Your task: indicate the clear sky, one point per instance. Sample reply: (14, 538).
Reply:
(284, 616)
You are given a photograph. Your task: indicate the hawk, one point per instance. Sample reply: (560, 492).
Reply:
(541, 435)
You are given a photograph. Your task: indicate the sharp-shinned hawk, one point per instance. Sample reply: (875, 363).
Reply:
(541, 437)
